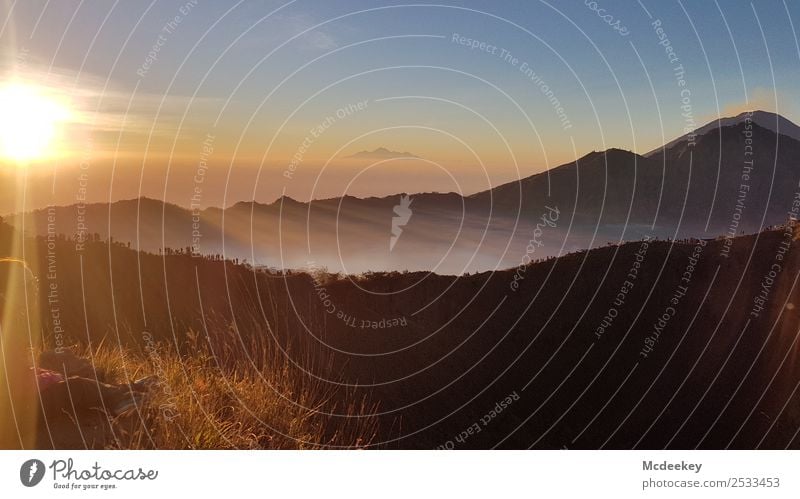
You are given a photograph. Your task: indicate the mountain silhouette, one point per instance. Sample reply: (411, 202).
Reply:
(764, 119)
(736, 178)
(381, 153)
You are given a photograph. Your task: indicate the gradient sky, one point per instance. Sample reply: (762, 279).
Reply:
(258, 76)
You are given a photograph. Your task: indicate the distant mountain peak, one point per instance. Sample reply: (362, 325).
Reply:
(765, 119)
(382, 153)
(285, 201)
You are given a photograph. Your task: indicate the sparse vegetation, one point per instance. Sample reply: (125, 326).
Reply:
(216, 398)
(235, 347)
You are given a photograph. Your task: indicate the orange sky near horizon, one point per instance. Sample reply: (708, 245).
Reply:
(245, 96)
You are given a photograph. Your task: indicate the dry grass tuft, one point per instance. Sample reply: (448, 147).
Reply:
(224, 394)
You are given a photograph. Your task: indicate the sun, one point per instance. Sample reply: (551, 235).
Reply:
(30, 122)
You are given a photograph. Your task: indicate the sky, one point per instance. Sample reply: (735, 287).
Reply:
(209, 103)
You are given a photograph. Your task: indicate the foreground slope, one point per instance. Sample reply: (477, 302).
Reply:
(649, 344)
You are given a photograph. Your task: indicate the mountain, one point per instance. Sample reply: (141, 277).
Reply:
(764, 119)
(381, 153)
(691, 190)
(734, 179)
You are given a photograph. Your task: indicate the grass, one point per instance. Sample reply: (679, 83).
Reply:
(223, 393)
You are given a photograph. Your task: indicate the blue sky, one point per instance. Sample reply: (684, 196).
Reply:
(226, 68)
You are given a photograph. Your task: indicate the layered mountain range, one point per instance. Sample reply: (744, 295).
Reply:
(736, 175)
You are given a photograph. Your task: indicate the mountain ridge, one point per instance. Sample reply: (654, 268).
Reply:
(790, 130)
(765, 119)
(605, 196)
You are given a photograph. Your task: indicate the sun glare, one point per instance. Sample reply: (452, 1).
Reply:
(30, 123)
